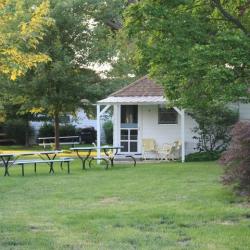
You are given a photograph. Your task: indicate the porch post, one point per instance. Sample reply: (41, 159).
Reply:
(98, 125)
(183, 135)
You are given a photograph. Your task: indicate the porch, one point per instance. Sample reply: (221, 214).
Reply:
(136, 119)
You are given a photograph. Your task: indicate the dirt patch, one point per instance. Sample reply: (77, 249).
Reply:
(227, 222)
(40, 228)
(109, 200)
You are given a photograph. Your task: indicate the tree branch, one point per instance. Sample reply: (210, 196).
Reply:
(229, 17)
(114, 24)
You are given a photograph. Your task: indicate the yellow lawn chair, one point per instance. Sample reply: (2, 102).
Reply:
(170, 151)
(149, 147)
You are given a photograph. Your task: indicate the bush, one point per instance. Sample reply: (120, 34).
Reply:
(67, 130)
(17, 129)
(108, 130)
(236, 160)
(47, 130)
(203, 156)
(213, 130)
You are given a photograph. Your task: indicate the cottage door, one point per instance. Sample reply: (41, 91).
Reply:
(129, 128)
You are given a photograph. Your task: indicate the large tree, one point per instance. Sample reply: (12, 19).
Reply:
(22, 27)
(198, 49)
(75, 41)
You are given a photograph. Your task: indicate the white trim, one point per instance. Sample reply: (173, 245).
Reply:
(98, 128)
(183, 135)
(145, 100)
(104, 110)
(177, 110)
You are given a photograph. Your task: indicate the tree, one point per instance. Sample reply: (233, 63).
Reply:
(81, 36)
(236, 159)
(60, 86)
(213, 130)
(199, 50)
(21, 30)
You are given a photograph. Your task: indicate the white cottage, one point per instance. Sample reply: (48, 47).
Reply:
(139, 112)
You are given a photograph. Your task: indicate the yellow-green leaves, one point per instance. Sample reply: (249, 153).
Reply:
(21, 30)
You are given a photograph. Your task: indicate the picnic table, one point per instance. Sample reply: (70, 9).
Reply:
(81, 153)
(111, 153)
(64, 140)
(12, 159)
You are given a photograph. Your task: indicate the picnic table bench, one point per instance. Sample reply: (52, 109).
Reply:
(48, 157)
(64, 140)
(49, 162)
(106, 159)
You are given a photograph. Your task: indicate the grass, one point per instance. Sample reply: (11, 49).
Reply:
(152, 206)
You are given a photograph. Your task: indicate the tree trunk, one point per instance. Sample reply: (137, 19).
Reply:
(56, 127)
(27, 135)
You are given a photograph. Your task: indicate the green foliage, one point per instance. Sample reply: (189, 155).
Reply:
(17, 129)
(203, 156)
(214, 125)
(22, 27)
(199, 50)
(67, 130)
(108, 130)
(47, 130)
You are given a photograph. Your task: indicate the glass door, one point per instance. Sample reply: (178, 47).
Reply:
(129, 128)
(129, 140)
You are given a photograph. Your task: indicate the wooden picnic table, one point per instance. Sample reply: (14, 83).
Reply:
(70, 140)
(106, 149)
(9, 159)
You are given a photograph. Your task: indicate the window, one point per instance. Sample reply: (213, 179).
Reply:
(167, 116)
(129, 116)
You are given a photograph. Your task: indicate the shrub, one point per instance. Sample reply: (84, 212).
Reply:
(203, 156)
(108, 130)
(19, 130)
(236, 159)
(67, 130)
(47, 130)
(213, 130)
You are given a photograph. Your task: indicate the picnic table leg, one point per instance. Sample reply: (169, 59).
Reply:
(35, 167)
(107, 163)
(133, 158)
(105, 160)
(68, 167)
(22, 165)
(111, 161)
(6, 165)
(51, 168)
(111, 158)
(83, 159)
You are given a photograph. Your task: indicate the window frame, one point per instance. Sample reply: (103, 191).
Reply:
(166, 112)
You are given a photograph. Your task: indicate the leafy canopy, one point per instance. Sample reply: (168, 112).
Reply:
(22, 27)
(198, 49)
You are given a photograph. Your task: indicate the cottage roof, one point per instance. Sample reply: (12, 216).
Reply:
(143, 91)
(141, 87)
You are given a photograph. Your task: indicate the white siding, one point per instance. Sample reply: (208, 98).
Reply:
(244, 112)
(164, 133)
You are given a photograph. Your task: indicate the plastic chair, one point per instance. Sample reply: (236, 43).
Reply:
(169, 151)
(149, 146)
(165, 152)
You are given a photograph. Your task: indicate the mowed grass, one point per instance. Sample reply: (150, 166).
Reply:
(151, 206)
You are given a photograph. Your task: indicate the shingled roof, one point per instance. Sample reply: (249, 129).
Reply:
(142, 87)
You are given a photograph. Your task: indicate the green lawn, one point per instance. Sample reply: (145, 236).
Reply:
(152, 206)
